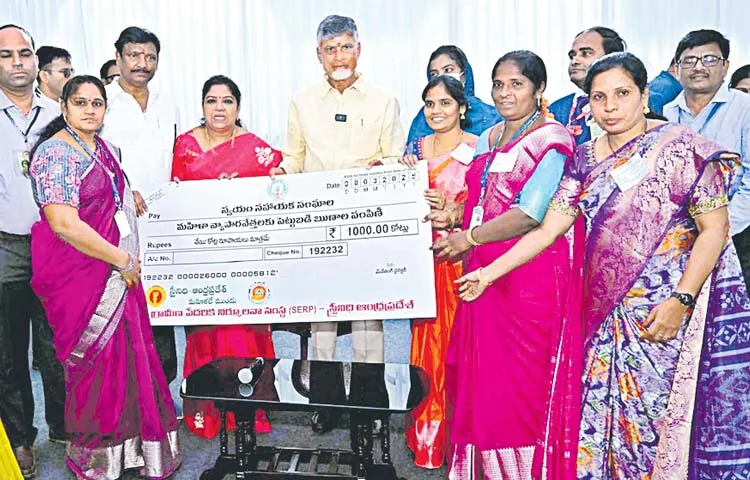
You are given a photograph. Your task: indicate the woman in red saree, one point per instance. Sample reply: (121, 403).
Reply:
(221, 148)
(448, 152)
(119, 413)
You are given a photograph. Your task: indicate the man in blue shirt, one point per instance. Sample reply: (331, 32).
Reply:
(720, 114)
(573, 110)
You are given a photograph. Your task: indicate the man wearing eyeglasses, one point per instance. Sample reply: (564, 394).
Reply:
(719, 114)
(109, 72)
(54, 71)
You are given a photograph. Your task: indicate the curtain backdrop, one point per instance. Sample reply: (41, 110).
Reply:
(268, 46)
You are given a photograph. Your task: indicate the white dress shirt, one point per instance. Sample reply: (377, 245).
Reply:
(146, 139)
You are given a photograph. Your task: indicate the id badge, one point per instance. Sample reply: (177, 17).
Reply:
(122, 224)
(504, 162)
(630, 173)
(477, 215)
(463, 153)
(24, 162)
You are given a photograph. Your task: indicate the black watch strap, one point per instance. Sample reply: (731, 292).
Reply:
(684, 298)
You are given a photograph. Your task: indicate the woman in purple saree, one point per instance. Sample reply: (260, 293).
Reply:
(665, 310)
(119, 412)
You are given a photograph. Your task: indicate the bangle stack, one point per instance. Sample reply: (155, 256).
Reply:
(470, 238)
(129, 267)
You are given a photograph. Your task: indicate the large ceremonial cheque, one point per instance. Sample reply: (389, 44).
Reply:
(342, 245)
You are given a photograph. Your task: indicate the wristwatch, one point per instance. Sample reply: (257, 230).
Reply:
(684, 298)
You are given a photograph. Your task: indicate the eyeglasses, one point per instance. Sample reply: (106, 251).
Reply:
(66, 72)
(111, 78)
(708, 61)
(743, 89)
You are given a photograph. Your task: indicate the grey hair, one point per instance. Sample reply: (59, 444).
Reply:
(335, 25)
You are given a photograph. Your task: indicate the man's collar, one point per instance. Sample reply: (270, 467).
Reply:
(359, 85)
(36, 101)
(117, 90)
(721, 96)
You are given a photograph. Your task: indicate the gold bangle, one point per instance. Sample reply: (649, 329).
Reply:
(482, 280)
(470, 238)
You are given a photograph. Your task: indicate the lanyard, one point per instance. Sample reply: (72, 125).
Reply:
(95, 158)
(705, 122)
(25, 134)
(491, 158)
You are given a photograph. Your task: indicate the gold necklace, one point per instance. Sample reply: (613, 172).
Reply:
(210, 141)
(624, 155)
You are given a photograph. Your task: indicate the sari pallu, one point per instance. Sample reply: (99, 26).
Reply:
(510, 346)
(426, 433)
(640, 417)
(247, 156)
(119, 412)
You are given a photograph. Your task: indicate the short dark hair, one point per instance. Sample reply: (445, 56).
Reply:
(105, 68)
(739, 75)
(455, 53)
(611, 40)
(136, 35)
(229, 83)
(530, 64)
(26, 32)
(47, 55)
(624, 60)
(696, 38)
(455, 89)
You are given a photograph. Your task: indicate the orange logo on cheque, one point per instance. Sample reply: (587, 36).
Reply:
(258, 293)
(156, 296)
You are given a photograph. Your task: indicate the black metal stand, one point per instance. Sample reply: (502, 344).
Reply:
(251, 461)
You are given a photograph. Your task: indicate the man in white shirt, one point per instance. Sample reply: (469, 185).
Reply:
(143, 124)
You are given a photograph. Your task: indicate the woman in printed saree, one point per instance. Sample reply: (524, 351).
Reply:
(665, 310)
(451, 60)
(221, 148)
(119, 413)
(498, 369)
(448, 153)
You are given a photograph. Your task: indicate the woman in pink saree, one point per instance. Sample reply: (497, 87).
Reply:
(499, 377)
(664, 304)
(448, 152)
(119, 412)
(221, 148)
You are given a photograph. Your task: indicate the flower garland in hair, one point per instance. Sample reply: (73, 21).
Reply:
(544, 107)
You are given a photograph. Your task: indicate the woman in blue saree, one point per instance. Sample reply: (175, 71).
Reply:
(451, 60)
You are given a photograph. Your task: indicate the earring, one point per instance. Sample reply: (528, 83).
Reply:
(538, 102)
(646, 110)
(463, 116)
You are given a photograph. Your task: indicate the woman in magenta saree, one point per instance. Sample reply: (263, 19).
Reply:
(499, 377)
(222, 149)
(119, 412)
(665, 309)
